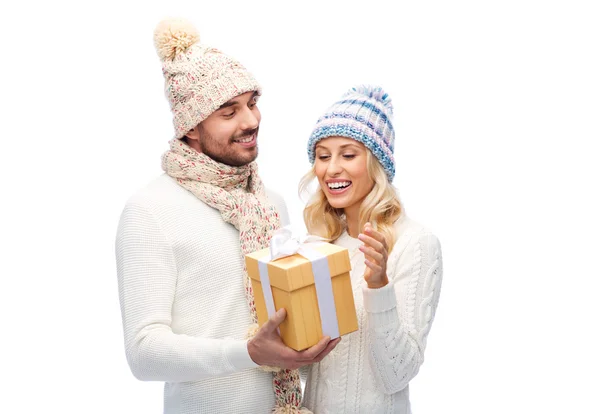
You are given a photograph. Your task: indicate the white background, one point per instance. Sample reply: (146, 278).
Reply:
(497, 109)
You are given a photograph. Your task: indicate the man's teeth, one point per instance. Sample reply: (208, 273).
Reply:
(341, 184)
(245, 140)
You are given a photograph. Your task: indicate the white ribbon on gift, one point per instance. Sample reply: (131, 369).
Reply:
(284, 243)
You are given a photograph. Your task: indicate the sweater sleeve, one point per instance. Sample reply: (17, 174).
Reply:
(397, 331)
(147, 277)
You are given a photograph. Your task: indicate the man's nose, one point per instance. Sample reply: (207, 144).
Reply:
(250, 120)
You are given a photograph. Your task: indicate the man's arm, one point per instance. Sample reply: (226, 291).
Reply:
(147, 277)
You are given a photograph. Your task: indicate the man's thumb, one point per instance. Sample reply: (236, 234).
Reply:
(277, 319)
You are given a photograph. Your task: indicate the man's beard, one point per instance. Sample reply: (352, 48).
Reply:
(227, 156)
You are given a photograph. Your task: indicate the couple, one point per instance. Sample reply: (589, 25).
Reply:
(186, 301)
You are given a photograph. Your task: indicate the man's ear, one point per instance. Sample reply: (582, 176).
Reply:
(194, 133)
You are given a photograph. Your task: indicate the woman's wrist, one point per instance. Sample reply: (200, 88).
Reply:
(378, 285)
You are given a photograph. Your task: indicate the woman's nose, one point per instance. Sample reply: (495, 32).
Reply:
(334, 168)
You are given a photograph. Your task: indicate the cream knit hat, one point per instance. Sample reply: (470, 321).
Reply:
(198, 78)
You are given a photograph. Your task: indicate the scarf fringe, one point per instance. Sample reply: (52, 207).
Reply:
(291, 409)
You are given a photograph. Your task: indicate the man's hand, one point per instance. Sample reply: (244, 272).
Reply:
(267, 348)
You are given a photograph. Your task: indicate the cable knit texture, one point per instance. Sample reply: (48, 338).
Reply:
(369, 371)
(183, 302)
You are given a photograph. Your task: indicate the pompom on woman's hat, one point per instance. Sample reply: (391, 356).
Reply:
(364, 114)
(198, 78)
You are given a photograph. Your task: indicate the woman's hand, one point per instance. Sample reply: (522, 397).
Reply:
(376, 254)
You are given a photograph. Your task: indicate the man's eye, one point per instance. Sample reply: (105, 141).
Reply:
(229, 115)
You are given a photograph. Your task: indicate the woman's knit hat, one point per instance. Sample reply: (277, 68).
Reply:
(365, 114)
(198, 78)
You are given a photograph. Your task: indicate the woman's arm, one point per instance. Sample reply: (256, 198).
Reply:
(397, 330)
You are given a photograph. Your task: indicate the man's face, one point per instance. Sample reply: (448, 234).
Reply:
(229, 134)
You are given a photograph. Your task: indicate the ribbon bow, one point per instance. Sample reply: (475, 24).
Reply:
(286, 243)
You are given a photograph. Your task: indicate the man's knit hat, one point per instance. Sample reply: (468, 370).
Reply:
(365, 114)
(198, 78)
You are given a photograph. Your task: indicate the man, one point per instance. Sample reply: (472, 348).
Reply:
(186, 301)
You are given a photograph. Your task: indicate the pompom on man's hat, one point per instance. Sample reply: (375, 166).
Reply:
(198, 78)
(364, 114)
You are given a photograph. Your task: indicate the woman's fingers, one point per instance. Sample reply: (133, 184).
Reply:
(371, 253)
(368, 240)
(373, 266)
(369, 231)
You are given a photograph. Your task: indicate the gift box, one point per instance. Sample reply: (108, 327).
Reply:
(311, 280)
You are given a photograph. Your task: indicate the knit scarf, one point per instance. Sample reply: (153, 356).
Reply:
(239, 195)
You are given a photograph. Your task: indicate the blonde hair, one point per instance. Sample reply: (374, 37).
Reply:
(381, 207)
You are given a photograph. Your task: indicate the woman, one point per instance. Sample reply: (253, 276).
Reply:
(396, 263)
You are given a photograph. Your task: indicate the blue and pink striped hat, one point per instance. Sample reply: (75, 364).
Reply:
(365, 114)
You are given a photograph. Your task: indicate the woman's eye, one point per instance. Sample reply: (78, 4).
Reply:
(349, 156)
(323, 157)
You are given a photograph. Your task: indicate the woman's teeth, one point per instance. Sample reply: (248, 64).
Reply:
(342, 184)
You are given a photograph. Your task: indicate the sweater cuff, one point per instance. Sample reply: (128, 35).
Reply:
(237, 354)
(380, 304)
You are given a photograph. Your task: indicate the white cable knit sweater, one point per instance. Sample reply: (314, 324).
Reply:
(185, 315)
(369, 371)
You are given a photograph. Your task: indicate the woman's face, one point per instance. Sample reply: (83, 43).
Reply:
(341, 168)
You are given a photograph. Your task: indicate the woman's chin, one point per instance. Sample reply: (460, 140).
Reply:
(336, 202)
